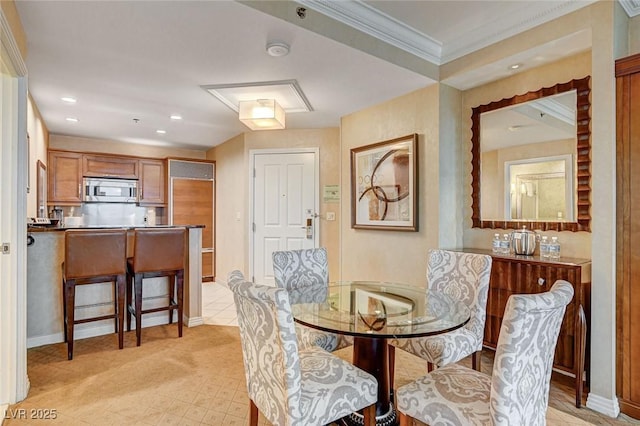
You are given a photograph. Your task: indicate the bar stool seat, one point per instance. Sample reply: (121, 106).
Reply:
(93, 256)
(158, 252)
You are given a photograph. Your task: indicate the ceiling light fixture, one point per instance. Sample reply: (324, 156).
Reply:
(68, 99)
(261, 114)
(161, 132)
(176, 117)
(71, 119)
(277, 48)
(515, 66)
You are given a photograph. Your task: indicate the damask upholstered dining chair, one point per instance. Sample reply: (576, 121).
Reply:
(517, 393)
(305, 275)
(464, 276)
(290, 386)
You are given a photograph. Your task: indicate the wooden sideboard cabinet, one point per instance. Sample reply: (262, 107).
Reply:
(109, 166)
(511, 274)
(152, 182)
(64, 178)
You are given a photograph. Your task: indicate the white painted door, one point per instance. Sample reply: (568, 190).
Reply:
(285, 205)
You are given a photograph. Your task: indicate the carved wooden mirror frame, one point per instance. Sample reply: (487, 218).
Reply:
(582, 166)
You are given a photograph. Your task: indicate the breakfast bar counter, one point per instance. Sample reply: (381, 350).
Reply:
(45, 254)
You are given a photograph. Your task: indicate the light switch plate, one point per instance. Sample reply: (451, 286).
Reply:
(331, 216)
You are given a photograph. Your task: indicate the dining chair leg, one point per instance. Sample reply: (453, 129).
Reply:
(430, 367)
(369, 414)
(253, 414)
(476, 360)
(404, 419)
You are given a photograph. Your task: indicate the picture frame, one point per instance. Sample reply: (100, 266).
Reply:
(384, 185)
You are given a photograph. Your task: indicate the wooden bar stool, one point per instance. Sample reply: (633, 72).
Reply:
(94, 256)
(158, 252)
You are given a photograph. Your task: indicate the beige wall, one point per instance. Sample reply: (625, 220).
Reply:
(634, 35)
(393, 255)
(231, 217)
(38, 143)
(233, 192)
(76, 143)
(11, 14)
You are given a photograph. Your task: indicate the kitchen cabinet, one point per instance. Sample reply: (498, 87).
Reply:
(628, 225)
(511, 274)
(109, 166)
(152, 182)
(65, 178)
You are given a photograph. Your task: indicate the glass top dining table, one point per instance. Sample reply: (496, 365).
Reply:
(373, 312)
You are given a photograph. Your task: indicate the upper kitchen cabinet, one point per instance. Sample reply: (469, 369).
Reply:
(65, 178)
(113, 167)
(152, 182)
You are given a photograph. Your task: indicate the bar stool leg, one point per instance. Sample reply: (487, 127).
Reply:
(172, 285)
(115, 305)
(180, 291)
(129, 304)
(70, 300)
(138, 304)
(120, 286)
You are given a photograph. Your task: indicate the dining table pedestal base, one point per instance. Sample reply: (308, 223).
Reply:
(388, 419)
(371, 355)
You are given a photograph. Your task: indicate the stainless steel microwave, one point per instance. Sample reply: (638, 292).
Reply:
(110, 190)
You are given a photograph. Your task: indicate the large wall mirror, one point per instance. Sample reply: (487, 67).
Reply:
(531, 160)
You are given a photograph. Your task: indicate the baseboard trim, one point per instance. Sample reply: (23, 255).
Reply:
(101, 330)
(194, 321)
(608, 407)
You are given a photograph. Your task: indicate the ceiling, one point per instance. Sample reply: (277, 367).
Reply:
(132, 64)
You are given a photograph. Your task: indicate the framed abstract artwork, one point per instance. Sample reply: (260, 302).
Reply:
(384, 185)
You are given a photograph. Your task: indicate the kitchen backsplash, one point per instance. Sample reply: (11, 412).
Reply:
(112, 214)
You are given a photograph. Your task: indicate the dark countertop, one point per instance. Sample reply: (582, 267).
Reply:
(44, 228)
(532, 259)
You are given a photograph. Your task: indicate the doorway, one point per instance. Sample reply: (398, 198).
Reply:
(284, 206)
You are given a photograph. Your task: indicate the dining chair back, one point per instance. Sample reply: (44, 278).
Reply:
(305, 275)
(465, 277)
(517, 392)
(292, 386)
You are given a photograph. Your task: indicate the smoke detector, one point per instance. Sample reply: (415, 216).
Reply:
(277, 48)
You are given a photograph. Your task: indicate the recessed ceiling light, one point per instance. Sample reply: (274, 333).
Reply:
(71, 119)
(515, 66)
(277, 48)
(515, 127)
(176, 117)
(68, 99)
(161, 132)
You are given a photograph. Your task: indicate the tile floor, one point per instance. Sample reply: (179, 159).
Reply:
(218, 307)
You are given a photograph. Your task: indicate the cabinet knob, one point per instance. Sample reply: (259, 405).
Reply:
(541, 281)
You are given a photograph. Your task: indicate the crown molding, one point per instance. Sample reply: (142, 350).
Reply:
(492, 32)
(368, 19)
(375, 23)
(632, 7)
